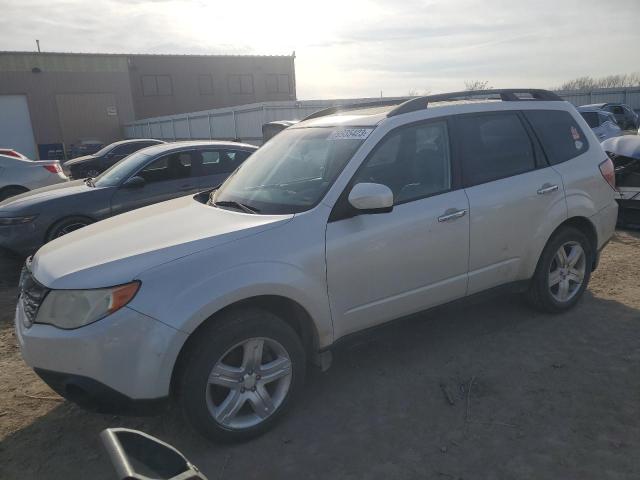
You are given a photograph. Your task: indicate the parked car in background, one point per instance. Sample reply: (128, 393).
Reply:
(603, 123)
(10, 152)
(626, 117)
(85, 147)
(340, 223)
(625, 153)
(96, 163)
(147, 176)
(19, 175)
(271, 129)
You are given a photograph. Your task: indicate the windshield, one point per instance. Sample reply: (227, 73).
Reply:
(292, 172)
(104, 150)
(113, 176)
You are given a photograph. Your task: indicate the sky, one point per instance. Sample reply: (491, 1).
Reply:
(354, 48)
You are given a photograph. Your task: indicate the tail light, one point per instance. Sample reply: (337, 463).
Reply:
(608, 172)
(53, 168)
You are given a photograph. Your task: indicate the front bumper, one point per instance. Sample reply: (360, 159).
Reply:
(122, 363)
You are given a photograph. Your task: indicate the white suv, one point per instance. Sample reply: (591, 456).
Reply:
(351, 218)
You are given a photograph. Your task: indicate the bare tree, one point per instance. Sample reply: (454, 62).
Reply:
(414, 92)
(477, 85)
(609, 81)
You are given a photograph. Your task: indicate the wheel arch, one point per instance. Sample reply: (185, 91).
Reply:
(290, 311)
(65, 217)
(22, 188)
(582, 224)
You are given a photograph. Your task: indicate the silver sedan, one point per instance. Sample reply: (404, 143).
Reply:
(18, 175)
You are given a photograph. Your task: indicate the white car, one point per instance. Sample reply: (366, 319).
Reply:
(19, 175)
(603, 123)
(344, 221)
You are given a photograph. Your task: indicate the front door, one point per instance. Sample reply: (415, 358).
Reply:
(169, 176)
(387, 265)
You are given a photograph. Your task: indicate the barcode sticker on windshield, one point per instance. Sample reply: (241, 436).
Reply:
(350, 134)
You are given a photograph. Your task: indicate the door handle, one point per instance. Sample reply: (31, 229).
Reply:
(448, 215)
(546, 188)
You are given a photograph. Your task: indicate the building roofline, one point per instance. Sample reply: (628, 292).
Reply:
(187, 55)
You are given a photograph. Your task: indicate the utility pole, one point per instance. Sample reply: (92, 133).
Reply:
(38, 44)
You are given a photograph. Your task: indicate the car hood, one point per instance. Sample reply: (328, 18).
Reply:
(31, 200)
(117, 250)
(625, 146)
(75, 161)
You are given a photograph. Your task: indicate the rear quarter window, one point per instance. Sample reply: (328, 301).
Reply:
(560, 135)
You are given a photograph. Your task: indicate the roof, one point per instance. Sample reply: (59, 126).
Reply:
(372, 113)
(169, 147)
(595, 106)
(92, 54)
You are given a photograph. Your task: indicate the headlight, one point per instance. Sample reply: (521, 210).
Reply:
(16, 220)
(75, 308)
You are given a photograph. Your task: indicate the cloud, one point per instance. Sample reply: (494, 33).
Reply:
(356, 48)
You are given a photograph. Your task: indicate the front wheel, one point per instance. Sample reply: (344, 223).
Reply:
(563, 271)
(240, 375)
(67, 225)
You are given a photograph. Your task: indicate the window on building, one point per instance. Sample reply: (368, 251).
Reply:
(278, 83)
(493, 146)
(205, 84)
(156, 85)
(240, 83)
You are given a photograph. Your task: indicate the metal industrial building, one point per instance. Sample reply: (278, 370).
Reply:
(50, 101)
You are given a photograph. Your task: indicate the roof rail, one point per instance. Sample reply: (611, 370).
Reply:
(506, 95)
(354, 106)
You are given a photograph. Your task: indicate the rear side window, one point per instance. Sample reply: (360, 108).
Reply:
(591, 118)
(560, 135)
(493, 146)
(221, 161)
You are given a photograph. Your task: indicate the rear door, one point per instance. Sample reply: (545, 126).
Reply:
(513, 195)
(217, 164)
(166, 177)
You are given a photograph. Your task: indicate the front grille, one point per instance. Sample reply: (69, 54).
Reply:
(31, 293)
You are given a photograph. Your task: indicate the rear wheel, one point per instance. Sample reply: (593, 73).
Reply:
(67, 225)
(563, 271)
(240, 375)
(11, 192)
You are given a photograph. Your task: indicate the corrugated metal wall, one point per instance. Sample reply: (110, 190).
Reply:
(245, 122)
(629, 95)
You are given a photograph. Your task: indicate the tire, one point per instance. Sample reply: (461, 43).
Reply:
(67, 225)
(11, 192)
(238, 385)
(547, 295)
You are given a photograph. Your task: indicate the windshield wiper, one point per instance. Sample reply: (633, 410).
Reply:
(234, 204)
(89, 182)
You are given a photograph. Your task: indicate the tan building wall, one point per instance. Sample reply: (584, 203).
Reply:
(74, 96)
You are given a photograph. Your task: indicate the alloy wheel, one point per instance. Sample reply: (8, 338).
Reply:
(567, 271)
(248, 383)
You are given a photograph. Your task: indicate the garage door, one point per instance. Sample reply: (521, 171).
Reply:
(15, 125)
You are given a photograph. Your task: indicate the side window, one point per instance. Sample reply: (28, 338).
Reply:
(174, 166)
(493, 146)
(221, 161)
(592, 118)
(414, 162)
(561, 137)
(617, 109)
(126, 149)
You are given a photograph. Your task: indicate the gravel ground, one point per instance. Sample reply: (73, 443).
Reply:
(534, 396)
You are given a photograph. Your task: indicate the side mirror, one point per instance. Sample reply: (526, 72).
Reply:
(134, 182)
(371, 198)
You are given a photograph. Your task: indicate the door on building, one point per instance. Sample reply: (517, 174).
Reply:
(15, 125)
(88, 116)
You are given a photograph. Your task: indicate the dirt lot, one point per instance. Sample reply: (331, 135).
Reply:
(551, 397)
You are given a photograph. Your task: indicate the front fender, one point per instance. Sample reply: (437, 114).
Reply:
(196, 290)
